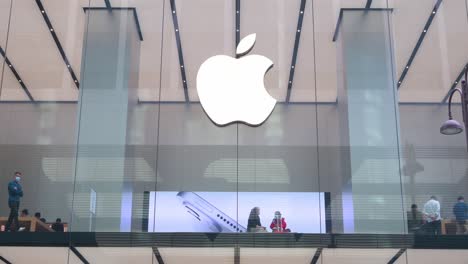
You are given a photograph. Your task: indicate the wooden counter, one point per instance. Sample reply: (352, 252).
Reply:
(449, 226)
(31, 224)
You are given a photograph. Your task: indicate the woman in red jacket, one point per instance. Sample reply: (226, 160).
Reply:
(278, 224)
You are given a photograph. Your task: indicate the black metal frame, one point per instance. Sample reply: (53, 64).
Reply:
(316, 257)
(10, 65)
(369, 3)
(237, 255)
(157, 255)
(108, 5)
(237, 14)
(57, 43)
(419, 43)
(291, 240)
(297, 40)
(179, 50)
(397, 256)
(4, 260)
(455, 83)
(79, 255)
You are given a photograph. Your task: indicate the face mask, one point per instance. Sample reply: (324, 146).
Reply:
(18, 178)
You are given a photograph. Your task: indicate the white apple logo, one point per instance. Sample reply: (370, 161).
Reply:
(232, 90)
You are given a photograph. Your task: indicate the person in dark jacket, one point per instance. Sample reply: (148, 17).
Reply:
(58, 226)
(460, 210)
(414, 218)
(15, 192)
(254, 224)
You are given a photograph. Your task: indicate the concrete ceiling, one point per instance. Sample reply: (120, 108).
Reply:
(207, 27)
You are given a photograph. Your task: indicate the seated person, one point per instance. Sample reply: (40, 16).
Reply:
(415, 219)
(37, 215)
(253, 224)
(58, 226)
(24, 213)
(278, 224)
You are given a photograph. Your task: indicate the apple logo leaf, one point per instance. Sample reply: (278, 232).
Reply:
(246, 44)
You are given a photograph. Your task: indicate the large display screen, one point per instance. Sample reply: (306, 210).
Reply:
(303, 212)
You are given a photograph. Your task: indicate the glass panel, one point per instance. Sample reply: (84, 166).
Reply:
(117, 136)
(197, 160)
(134, 150)
(117, 255)
(52, 255)
(197, 255)
(5, 8)
(38, 102)
(436, 255)
(355, 255)
(275, 255)
(368, 191)
(278, 170)
(433, 164)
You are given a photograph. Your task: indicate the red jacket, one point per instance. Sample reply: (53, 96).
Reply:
(275, 225)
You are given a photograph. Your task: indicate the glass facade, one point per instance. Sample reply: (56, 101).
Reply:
(101, 114)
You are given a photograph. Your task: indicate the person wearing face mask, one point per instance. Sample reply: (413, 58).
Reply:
(15, 192)
(278, 224)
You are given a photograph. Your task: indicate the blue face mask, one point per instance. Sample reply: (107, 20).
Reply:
(18, 178)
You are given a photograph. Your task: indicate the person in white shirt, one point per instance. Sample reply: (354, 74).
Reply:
(431, 214)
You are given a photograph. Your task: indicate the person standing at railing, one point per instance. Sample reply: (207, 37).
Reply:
(432, 216)
(15, 192)
(460, 210)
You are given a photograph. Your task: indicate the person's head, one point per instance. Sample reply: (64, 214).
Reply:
(24, 212)
(58, 220)
(255, 211)
(414, 207)
(461, 199)
(433, 197)
(37, 215)
(278, 215)
(18, 176)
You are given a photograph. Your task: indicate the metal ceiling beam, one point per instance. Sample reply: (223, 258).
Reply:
(108, 5)
(455, 83)
(179, 49)
(237, 255)
(237, 23)
(420, 41)
(4, 260)
(16, 74)
(316, 257)
(158, 256)
(57, 43)
(79, 255)
(296, 48)
(369, 3)
(397, 256)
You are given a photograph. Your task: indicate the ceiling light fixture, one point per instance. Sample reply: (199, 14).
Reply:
(452, 126)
